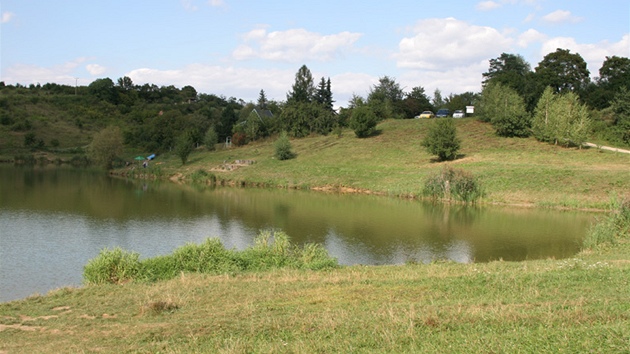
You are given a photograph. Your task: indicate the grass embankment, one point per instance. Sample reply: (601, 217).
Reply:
(512, 170)
(574, 305)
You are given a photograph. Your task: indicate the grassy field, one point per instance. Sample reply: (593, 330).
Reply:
(575, 305)
(513, 170)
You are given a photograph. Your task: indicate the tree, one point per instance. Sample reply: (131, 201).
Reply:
(323, 94)
(505, 109)
(210, 139)
(385, 98)
(283, 147)
(106, 146)
(563, 71)
(416, 101)
(184, 145)
(262, 100)
(615, 73)
(442, 140)
(363, 121)
(621, 109)
(510, 70)
(303, 89)
(542, 123)
(561, 118)
(103, 89)
(438, 101)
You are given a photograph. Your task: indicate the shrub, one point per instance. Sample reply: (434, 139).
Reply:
(113, 266)
(441, 140)
(283, 147)
(363, 121)
(451, 183)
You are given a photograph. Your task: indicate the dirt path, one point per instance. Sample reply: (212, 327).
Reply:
(607, 148)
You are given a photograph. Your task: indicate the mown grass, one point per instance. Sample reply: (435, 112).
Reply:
(393, 162)
(546, 306)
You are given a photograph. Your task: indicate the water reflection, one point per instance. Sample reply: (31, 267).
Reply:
(53, 220)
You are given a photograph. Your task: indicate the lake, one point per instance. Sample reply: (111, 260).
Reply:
(54, 219)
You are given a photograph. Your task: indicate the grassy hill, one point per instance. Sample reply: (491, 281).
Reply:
(513, 170)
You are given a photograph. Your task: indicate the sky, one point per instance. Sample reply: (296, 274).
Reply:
(235, 48)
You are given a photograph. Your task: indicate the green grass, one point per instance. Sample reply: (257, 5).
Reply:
(510, 170)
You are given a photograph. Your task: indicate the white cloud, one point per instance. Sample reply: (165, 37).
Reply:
(487, 5)
(295, 45)
(561, 16)
(7, 17)
(239, 82)
(530, 36)
(453, 80)
(95, 69)
(440, 44)
(216, 3)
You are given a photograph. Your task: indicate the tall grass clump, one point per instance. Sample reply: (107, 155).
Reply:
(114, 266)
(611, 229)
(271, 250)
(453, 184)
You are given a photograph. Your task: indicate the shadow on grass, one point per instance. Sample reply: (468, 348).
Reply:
(438, 160)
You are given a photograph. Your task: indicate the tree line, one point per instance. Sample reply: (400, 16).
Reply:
(556, 101)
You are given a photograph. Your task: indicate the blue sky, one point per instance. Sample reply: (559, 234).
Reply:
(236, 48)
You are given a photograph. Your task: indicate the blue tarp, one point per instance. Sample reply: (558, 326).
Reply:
(151, 157)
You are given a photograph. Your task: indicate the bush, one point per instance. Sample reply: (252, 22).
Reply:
(363, 121)
(283, 147)
(451, 183)
(113, 266)
(441, 140)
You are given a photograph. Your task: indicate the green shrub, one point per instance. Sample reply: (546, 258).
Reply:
(441, 140)
(113, 266)
(363, 121)
(283, 147)
(451, 183)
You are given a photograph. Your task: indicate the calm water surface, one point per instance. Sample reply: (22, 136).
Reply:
(53, 220)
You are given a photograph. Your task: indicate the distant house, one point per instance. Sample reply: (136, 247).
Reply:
(261, 114)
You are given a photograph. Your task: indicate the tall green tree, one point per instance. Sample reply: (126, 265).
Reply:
(561, 118)
(262, 100)
(563, 71)
(106, 147)
(323, 94)
(621, 109)
(303, 88)
(385, 98)
(184, 145)
(542, 122)
(510, 70)
(416, 101)
(505, 109)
